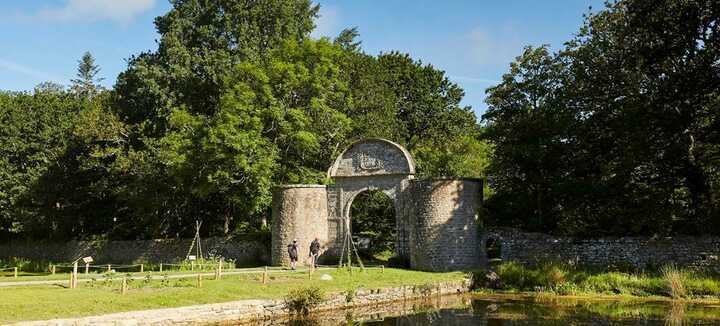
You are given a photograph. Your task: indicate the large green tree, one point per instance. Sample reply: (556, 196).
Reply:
(530, 127)
(87, 82)
(631, 146)
(235, 99)
(200, 41)
(189, 134)
(399, 98)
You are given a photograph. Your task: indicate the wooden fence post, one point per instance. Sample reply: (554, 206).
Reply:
(74, 274)
(142, 268)
(108, 268)
(199, 280)
(15, 272)
(192, 265)
(219, 271)
(160, 267)
(87, 268)
(264, 276)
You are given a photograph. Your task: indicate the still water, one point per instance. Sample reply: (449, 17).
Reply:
(511, 311)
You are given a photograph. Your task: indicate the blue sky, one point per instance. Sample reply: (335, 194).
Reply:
(472, 40)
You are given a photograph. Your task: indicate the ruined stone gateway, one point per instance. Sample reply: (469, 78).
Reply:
(436, 220)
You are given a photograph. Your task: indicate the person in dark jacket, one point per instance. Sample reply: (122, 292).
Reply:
(293, 252)
(314, 252)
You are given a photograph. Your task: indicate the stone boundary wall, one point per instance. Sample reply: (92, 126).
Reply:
(258, 310)
(135, 251)
(622, 252)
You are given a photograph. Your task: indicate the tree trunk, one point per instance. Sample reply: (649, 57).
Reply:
(228, 221)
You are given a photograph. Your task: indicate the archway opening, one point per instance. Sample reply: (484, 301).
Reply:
(373, 226)
(493, 250)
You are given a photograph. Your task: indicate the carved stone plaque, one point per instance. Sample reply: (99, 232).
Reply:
(373, 157)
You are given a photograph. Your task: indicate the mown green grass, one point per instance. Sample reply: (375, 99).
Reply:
(570, 280)
(48, 302)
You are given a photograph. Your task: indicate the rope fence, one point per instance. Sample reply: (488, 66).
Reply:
(14, 269)
(217, 271)
(192, 269)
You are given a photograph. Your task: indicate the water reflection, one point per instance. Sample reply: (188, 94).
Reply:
(511, 311)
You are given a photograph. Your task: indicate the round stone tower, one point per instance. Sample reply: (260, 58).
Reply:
(444, 224)
(298, 212)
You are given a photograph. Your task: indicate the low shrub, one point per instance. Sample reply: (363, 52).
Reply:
(567, 279)
(301, 301)
(702, 286)
(674, 281)
(553, 276)
(547, 276)
(26, 265)
(350, 295)
(515, 276)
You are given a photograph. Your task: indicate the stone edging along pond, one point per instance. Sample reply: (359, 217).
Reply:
(253, 310)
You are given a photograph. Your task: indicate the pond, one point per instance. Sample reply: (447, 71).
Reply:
(518, 310)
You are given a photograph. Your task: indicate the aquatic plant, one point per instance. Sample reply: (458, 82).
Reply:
(675, 281)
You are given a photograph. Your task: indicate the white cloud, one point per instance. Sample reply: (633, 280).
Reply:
(328, 22)
(24, 70)
(121, 11)
(495, 45)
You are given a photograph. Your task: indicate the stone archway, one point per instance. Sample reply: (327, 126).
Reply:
(436, 220)
(369, 164)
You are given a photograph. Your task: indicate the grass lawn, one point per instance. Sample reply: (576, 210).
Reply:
(48, 302)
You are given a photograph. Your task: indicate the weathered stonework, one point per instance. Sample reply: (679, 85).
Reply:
(345, 190)
(373, 157)
(444, 225)
(622, 252)
(135, 251)
(369, 164)
(299, 212)
(442, 220)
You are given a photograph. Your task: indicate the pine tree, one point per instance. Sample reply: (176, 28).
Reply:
(347, 39)
(87, 84)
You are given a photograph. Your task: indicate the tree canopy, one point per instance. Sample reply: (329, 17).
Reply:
(236, 98)
(617, 133)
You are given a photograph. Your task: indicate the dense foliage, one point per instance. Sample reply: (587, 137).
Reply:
(235, 99)
(374, 221)
(618, 133)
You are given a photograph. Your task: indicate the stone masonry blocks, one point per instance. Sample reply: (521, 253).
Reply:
(436, 220)
(444, 225)
(298, 212)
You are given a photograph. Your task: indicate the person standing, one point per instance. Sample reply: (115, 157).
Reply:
(293, 252)
(314, 252)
